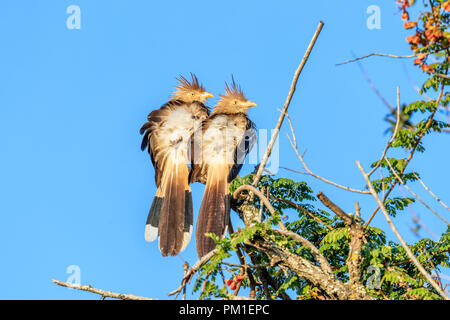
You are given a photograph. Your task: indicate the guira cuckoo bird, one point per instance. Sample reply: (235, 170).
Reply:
(218, 150)
(166, 136)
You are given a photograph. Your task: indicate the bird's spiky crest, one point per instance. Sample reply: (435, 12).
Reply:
(235, 92)
(192, 85)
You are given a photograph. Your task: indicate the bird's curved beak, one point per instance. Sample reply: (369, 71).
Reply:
(207, 95)
(250, 104)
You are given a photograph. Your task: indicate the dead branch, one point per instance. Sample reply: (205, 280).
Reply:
(354, 260)
(309, 172)
(426, 188)
(376, 54)
(333, 207)
(102, 293)
(356, 233)
(286, 104)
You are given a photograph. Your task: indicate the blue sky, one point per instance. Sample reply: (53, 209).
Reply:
(75, 188)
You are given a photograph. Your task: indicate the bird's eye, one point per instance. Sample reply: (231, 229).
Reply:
(235, 102)
(193, 94)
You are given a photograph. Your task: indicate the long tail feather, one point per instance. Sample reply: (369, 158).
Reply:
(151, 227)
(214, 210)
(171, 214)
(188, 218)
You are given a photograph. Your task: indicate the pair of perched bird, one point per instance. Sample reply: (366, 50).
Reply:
(187, 143)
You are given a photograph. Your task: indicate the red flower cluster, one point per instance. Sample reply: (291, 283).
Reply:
(446, 6)
(232, 283)
(420, 58)
(403, 5)
(420, 61)
(431, 33)
(410, 24)
(415, 39)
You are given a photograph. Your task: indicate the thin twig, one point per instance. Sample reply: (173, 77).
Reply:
(412, 192)
(400, 238)
(388, 145)
(422, 225)
(426, 188)
(384, 55)
(192, 271)
(102, 293)
(204, 283)
(383, 185)
(286, 105)
(309, 172)
(376, 54)
(372, 85)
(185, 271)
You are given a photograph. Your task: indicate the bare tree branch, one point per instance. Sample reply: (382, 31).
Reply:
(376, 54)
(426, 188)
(309, 172)
(384, 55)
(333, 207)
(286, 104)
(102, 293)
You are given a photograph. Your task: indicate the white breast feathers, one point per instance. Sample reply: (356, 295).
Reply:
(220, 141)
